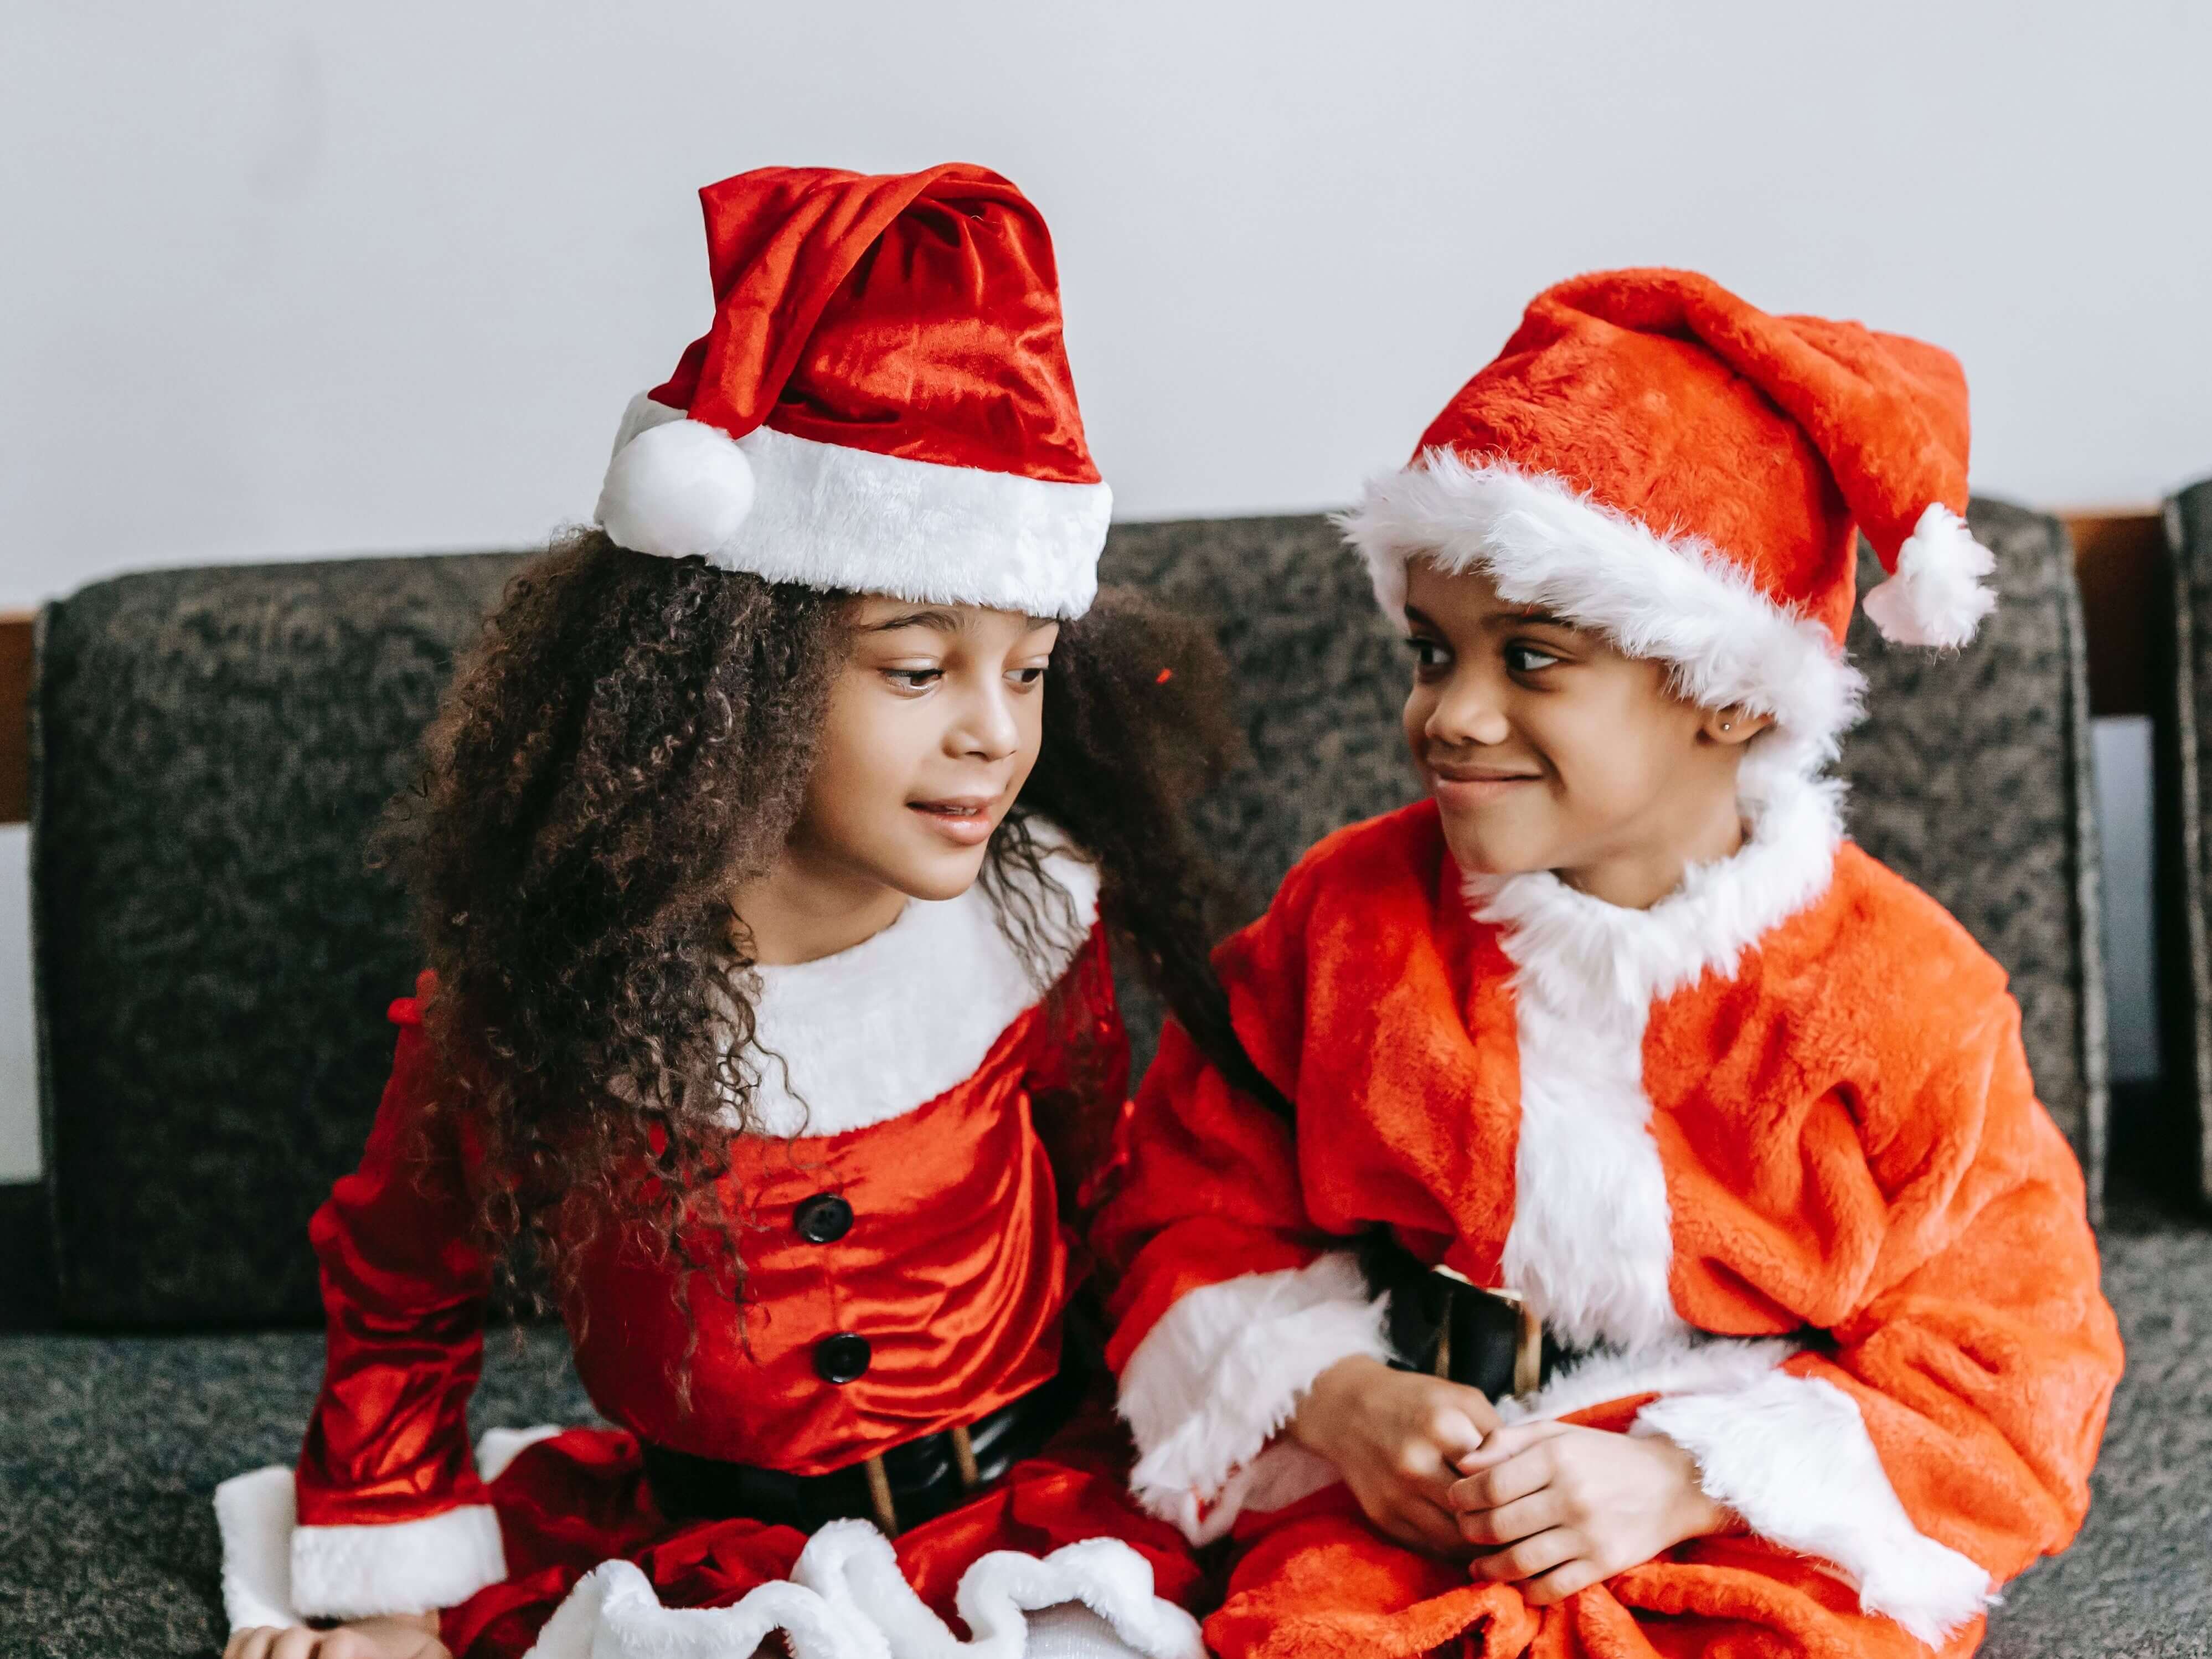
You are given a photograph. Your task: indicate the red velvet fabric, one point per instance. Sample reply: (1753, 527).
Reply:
(914, 314)
(955, 1269)
(568, 1503)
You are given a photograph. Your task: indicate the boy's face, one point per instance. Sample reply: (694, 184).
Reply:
(933, 727)
(1546, 748)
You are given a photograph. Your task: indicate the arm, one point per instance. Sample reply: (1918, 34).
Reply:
(1231, 1302)
(392, 1516)
(1944, 1441)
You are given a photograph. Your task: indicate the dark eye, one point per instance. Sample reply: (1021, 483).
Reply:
(913, 679)
(1028, 676)
(1429, 655)
(1525, 658)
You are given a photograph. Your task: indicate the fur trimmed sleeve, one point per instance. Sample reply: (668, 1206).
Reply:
(391, 1514)
(1944, 1441)
(1231, 1302)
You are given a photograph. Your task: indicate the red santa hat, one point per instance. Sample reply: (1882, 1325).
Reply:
(883, 402)
(1653, 458)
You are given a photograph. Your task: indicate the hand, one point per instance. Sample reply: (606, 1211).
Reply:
(1566, 1507)
(394, 1635)
(1394, 1435)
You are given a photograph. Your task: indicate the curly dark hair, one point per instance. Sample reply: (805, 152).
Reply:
(628, 743)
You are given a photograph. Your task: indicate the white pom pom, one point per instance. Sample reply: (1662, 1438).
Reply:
(676, 489)
(1936, 597)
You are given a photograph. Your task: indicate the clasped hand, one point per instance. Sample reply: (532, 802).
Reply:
(1551, 1507)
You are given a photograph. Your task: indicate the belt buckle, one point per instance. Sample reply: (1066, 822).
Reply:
(1527, 1336)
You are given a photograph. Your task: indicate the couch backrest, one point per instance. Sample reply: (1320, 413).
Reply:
(213, 960)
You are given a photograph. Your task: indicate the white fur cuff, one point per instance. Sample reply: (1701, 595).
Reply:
(402, 1566)
(1221, 1373)
(1791, 1455)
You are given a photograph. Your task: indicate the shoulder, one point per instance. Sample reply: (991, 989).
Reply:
(1877, 925)
(1371, 884)
(1395, 859)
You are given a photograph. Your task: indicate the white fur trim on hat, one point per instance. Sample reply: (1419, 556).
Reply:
(796, 510)
(1678, 600)
(1936, 597)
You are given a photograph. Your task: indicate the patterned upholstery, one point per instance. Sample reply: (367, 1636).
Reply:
(213, 958)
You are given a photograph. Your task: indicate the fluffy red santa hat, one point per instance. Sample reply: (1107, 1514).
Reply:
(1652, 458)
(883, 402)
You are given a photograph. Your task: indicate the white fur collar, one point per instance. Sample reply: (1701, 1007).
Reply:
(1592, 1239)
(869, 1034)
(1579, 946)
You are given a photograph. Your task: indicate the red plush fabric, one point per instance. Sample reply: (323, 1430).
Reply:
(1853, 1158)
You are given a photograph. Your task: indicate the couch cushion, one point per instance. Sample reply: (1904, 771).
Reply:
(2182, 675)
(111, 1448)
(212, 958)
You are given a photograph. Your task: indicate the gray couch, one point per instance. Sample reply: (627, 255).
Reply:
(213, 961)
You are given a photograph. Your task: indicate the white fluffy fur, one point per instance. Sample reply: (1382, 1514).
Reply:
(497, 1448)
(253, 1513)
(793, 509)
(1936, 597)
(1675, 599)
(402, 1566)
(1215, 1380)
(870, 1033)
(1791, 1455)
(847, 1598)
(1690, 1362)
(1592, 1242)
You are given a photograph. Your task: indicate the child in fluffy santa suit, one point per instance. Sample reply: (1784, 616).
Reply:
(1617, 1022)
(767, 855)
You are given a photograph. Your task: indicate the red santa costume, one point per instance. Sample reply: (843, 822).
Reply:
(882, 403)
(1767, 1155)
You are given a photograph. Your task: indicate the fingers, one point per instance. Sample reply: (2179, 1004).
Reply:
(1530, 1556)
(1475, 1405)
(1561, 1582)
(1506, 1442)
(297, 1643)
(1491, 1484)
(250, 1644)
(1508, 1524)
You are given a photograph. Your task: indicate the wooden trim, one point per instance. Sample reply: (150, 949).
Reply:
(15, 715)
(2118, 558)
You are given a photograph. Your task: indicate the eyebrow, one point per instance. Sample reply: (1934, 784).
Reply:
(945, 622)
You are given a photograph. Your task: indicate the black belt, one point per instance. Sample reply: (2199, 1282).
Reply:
(903, 1487)
(1442, 1322)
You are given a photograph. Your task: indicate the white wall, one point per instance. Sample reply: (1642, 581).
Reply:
(285, 280)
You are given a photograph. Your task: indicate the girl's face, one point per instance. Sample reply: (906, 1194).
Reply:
(1546, 748)
(933, 727)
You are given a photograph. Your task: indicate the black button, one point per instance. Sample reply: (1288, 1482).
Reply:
(823, 1218)
(841, 1358)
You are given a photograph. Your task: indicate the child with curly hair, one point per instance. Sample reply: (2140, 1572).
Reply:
(768, 857)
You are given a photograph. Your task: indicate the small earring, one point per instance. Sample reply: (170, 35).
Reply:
(1727, 725)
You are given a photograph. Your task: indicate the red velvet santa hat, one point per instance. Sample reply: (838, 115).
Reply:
(1652, 458)
(883, 402)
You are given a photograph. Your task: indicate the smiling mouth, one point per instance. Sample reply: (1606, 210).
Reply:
(952, 809)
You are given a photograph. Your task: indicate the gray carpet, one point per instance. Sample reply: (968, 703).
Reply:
(110, 1446)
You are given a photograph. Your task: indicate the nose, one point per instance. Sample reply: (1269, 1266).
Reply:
(1470, 711)
(987, 728)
